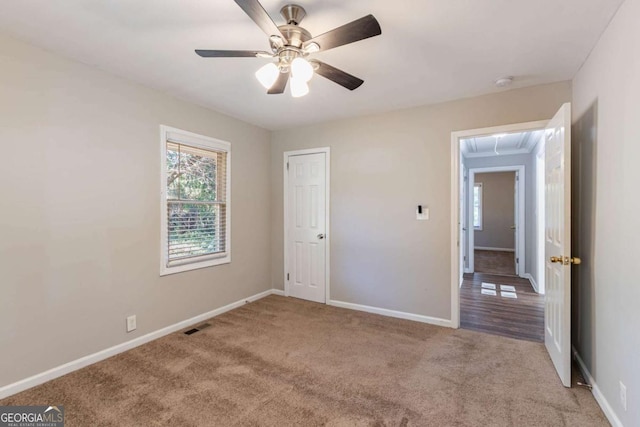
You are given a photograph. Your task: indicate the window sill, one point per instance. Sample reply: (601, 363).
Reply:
(165, 271)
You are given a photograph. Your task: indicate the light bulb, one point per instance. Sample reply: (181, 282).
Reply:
(299, 87)
(312, 48)
(301, 69)
(267, 75)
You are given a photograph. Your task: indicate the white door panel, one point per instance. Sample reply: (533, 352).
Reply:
(516, 223)
(306, 228)
(462, 240)
(557, 322)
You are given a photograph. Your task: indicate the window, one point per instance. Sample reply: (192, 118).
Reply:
(477, 206)
(195, 201)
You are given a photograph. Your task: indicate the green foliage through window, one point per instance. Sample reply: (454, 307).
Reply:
(196, 206)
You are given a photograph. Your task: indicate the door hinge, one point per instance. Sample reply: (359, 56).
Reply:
(517, 260)
(287, 277)
(287, 165)
(464, 258)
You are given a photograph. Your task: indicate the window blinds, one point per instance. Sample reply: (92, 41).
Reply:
(196, 203)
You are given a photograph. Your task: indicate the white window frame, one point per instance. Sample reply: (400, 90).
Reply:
(207, 143)
(473, 196)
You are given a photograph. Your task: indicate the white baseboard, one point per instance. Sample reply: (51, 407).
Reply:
(392, 313)
(484, 248)
(277, 292)
(74, 365)
(532, 281)
(597, 394)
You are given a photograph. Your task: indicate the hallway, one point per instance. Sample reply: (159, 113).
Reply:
(482, 310)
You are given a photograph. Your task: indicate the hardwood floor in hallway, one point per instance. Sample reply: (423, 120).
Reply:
(521, 317)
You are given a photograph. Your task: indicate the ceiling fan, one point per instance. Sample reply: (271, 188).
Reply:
(291, 45)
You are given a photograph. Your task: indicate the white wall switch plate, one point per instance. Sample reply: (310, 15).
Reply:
(131, 323)
(623, 396)
(424, 215)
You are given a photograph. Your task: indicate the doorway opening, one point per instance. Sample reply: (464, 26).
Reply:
(498, 275)
(494, 223)
(551, 226)
(496, 217)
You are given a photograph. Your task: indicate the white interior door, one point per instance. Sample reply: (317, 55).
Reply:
(557, 323)
(306, 277)
(516, 224)
(463, 220)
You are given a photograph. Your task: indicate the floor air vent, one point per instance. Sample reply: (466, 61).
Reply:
(197, 328)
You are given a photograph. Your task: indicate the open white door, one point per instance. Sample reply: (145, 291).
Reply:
(516, 223)
(462, 215)
(557, 319)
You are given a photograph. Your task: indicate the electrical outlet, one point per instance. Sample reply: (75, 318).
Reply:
(623, 396)
(131, 323)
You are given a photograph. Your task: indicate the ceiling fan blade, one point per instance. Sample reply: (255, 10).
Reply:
(280, 84)
(354, 31)
(233, 54)
(344, 79)
(254, 9)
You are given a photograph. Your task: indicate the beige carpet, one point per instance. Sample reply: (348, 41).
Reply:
(282, 361)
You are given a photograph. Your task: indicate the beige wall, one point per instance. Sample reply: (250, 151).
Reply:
(382, 166)
(606, 152)
(498, 210)
(80, 211)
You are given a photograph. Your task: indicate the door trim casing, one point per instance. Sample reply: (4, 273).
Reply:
(327, 248)
(456, 280)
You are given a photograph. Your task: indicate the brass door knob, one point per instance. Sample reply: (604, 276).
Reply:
(566, 260)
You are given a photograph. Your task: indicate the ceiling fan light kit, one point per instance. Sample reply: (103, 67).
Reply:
(268, 74)
(292, 44)
(298, 87)
(301, 69)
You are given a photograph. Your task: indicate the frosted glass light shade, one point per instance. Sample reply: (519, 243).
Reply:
(299, 87)
(301, 69)
(267, 75)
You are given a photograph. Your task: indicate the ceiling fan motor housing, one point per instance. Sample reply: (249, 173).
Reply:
(293, 13)
(295, 36)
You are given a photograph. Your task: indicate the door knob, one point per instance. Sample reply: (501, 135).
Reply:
(513, 227)
(566, 260)
(320, 236)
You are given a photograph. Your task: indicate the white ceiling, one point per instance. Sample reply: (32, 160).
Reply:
(503, 144)
(429, 51)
